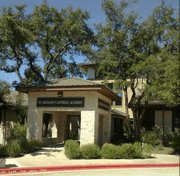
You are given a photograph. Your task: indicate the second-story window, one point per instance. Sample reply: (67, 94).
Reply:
(118, 101)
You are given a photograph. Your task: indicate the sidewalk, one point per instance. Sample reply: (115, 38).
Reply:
(54, 158)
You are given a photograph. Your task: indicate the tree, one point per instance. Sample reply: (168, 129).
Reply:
(113, 39)
(4, 90)
(42, 41)
(128, 49)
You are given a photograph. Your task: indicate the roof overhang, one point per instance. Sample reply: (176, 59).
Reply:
(102, 89)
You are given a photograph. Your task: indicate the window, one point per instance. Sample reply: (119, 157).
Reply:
(119, 99)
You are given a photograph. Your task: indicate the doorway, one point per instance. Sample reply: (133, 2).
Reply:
(74, 127)
(100, 130)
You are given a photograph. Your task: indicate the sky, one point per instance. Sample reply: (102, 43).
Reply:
(143, 7)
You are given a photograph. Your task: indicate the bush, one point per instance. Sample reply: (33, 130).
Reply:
(2, 151)
(147, 150)
(160, 147)
(72, 149)
(30, 146)
(152, 137)
(109, 151)
(17, 132)
(130, 151)
(13, 148)
(34, 145)
(136, 150)
(125, 151)
(90, 151)
(17, 142)
(176, 142)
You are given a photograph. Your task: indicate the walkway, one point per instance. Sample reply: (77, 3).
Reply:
(53, 157)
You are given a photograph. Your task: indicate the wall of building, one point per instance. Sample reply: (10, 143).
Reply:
(89, 116)
(122, 108)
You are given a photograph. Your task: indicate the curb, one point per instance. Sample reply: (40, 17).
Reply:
(83, 167)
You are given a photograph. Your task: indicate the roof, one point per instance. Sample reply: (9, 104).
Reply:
(68, 84)
(118, 113)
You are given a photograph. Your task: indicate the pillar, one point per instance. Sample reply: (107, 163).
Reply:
(34, 124)
(87, 135)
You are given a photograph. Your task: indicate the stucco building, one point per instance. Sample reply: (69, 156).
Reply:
(79, 107)
(158, 113)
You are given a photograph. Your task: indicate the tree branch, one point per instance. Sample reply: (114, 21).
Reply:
(31, 60)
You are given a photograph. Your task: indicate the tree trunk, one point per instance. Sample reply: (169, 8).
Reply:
(134, 104)
(126, 104)
(137, 124)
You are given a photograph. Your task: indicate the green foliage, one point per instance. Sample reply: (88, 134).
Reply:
(90, 151)
(72, 149)
(54, 34)
(17, 142)
(160, 147)
(13, 148)
(175, 141)
(128, 132)
(2, 151)
(129, 151)
(32, 146)
(124, 151)
(152, 137)
(147, 150)
(18, 132)
(109, 151)
(4, 90)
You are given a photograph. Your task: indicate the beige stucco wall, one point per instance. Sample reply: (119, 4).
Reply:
(89, 116)
(122, 108)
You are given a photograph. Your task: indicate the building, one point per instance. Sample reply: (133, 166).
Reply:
(91, 111)
(79, 108)
(157, 113)
(8, 113)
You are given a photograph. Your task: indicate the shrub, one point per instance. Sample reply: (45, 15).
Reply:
(17, 132)
(125, 151)
(13, 148)
(34, 144)
(72, 149)
(2, 151)
(160, 147)
(90, 151)
(31, 146)
(152, 137)
(109, 151)
(147, 150)
(136, 150)
(176, 141)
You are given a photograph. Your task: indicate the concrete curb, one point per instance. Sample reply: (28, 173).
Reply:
(84, 167)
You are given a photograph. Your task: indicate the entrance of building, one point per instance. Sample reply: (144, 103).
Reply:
(100, 135)
(73, 127)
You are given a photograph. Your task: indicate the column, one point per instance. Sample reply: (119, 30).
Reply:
(34, 120)
(87, 135)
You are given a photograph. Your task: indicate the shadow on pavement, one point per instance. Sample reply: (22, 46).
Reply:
(48, 150)
(10, 166)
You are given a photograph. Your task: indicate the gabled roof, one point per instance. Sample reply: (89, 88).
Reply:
(68, 84)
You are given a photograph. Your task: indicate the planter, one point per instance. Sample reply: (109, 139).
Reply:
(2, 162)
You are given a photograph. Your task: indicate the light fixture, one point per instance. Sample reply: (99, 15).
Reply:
(60, 94)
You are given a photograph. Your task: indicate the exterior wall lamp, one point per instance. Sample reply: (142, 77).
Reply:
(60, 94)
